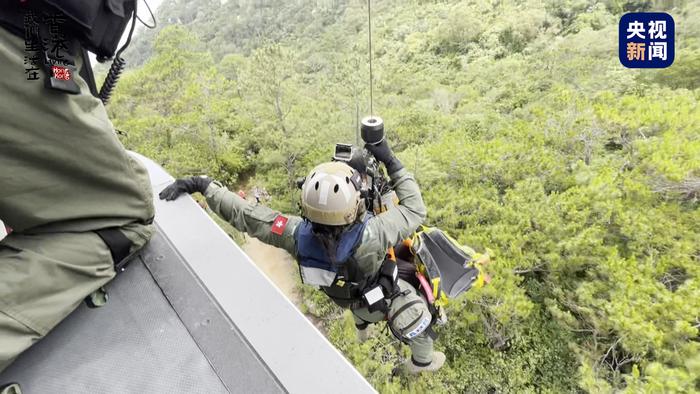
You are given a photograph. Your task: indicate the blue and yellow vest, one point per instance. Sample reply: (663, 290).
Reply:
(341, 278)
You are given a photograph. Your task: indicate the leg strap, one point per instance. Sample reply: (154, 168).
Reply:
(419, 364)
(431, 333)
(119, 245)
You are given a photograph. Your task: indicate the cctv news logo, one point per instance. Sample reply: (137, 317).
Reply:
(647, 40)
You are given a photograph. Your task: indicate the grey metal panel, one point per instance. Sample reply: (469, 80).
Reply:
(226, 349)
(293, 349)
(133, 344)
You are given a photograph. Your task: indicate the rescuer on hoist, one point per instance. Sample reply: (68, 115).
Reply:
(341, 246)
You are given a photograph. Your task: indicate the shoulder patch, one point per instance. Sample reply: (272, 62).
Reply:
(279, 225)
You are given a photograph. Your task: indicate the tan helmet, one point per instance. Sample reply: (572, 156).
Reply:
(331, 194)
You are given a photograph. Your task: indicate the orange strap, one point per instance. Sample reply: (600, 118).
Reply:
(391, 254)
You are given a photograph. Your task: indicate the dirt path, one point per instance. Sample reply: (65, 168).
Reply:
(277, 264)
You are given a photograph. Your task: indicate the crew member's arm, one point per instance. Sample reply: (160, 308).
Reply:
(391, 227)
(261, 222)
(398, 223)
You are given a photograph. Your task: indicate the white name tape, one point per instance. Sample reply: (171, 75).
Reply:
(421, 327)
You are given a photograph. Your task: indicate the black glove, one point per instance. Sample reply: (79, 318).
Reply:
(383, 153)
(185, 185)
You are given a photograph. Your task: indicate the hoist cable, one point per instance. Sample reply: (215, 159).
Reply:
(369, 35)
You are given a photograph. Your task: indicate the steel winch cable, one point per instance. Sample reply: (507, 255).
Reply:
(369, 36)
(372, 127)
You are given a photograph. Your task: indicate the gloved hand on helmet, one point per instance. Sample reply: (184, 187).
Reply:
(383, 153)
(185, 185)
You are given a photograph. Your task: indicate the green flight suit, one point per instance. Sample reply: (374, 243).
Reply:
(381, 232)
(63, 174)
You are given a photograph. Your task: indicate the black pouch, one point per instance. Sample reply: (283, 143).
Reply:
(384, 287)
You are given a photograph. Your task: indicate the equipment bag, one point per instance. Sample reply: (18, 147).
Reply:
(444, 269)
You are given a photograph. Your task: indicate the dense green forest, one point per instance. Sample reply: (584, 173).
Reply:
(526, 135)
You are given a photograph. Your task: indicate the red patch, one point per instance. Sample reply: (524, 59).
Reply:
(279, 225)
(61, 73)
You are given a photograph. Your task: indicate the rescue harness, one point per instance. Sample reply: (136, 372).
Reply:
(337, 272)
(435, 264)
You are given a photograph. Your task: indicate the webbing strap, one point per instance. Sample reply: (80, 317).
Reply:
(431, 333)
(403, 308)
(119, 245)
(86, 72)
(420, 364)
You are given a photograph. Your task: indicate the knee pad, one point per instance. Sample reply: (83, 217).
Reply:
(409, 317)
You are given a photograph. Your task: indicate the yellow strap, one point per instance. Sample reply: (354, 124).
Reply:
(480, 260)
(479, 280)
(436, 287)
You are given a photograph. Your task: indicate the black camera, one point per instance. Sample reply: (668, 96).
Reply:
(355, 157)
